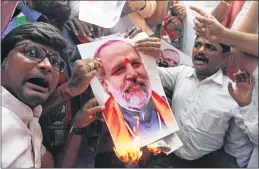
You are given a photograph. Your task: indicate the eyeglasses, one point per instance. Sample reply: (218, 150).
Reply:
(38, 54)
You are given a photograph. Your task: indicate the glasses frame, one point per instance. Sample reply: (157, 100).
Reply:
(48, 54)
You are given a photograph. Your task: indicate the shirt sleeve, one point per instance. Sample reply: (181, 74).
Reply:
(169, 76)
(30, 14)
(247, 119)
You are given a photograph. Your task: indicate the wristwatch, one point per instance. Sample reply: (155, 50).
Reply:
(77, 131)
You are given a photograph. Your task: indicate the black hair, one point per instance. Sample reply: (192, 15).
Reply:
(225, 48)
(39, 32)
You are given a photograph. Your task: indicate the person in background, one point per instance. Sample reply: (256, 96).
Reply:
(170, 56)
(143, 14)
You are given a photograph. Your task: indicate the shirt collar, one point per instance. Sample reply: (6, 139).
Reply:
(21, 110)
(217, 77)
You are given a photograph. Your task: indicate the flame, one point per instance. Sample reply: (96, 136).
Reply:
(154, 149)
(131, 154)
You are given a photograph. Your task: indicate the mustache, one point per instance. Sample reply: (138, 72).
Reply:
(201, 57)
(131, 84)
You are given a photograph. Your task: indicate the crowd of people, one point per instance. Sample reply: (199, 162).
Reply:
(50, 117)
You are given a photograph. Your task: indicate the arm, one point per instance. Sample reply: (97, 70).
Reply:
(246, 113)
(76, 85)
(206, 25)
(249, 21)
(220, 11)
(67, 158)
(169, 76)
(159, 14)
(240, 40)
(247, 120)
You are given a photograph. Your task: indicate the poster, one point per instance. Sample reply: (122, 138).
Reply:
(129, 86)
(102, 13)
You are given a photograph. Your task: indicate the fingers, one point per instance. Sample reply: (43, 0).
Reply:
(150, 39)
(230, 89)
(204, 20)
(246, 76)
(84, 66)
(87, 29)
(128, 32)
(72, 26)
(198, 10)
(79, 27)
(135, 32)
(132, 32)
(90, 103)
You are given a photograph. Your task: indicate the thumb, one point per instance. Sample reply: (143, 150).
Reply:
(230, 89)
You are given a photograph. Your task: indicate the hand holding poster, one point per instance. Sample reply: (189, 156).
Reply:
(102, 13)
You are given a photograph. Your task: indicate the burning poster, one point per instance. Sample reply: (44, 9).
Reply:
(136, 110)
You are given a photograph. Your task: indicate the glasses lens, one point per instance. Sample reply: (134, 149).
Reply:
(57, 62)
(34, 52)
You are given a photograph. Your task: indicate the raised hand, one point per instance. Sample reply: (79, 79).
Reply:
(243, 91)
(150, 46)
(83, 73)
(87, 114)
(207, 25)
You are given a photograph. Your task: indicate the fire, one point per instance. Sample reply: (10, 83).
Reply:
(131, 154)
(159, 147)
(154, 149)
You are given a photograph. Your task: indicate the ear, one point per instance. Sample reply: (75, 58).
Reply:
(105, 85)
(225, 57)
(4, 63)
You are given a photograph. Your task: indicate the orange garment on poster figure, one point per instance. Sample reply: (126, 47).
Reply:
(117, 126)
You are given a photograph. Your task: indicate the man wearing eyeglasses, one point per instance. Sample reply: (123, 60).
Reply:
(33, 57)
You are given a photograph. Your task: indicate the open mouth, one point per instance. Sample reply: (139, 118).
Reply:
(201, 59)
(39, 84)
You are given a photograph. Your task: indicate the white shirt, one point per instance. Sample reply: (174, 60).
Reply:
(253, 163)
(203, 110)
(21, 133)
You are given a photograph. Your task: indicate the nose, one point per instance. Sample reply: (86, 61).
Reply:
(201, 49)
(131, 73)
(45, 66)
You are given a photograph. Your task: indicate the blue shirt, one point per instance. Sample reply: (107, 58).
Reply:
(31, 15)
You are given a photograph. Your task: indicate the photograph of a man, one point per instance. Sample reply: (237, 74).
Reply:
(133, 108)
(170, 56)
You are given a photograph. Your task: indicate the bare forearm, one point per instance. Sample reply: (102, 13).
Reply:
(246, 42)
(68, 157)
(160, 13)
(220, 12)
(54, 101)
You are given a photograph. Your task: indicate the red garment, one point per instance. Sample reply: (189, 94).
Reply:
(7, 10)
(235, 8)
